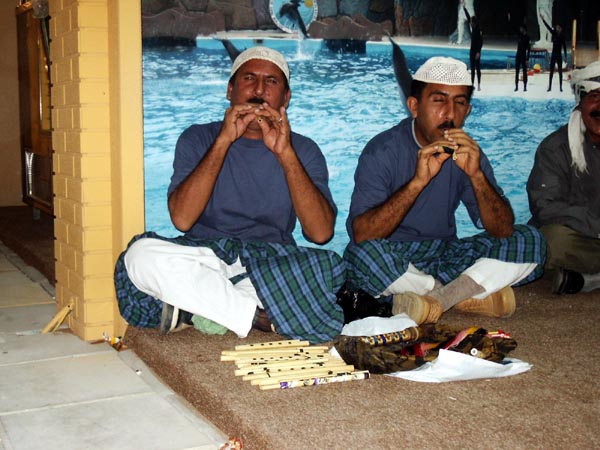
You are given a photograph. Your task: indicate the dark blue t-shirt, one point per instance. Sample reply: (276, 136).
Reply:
(388, 162)
(251, 200)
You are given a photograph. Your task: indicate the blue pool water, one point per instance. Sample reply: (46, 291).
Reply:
(340, 101)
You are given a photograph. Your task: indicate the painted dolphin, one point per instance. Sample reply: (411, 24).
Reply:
(403, 75)
(291, 10)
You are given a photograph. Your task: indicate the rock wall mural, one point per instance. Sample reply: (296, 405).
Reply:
(365, 19)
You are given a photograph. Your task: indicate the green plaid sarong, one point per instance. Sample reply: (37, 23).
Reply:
(296, 285)
(374, 265)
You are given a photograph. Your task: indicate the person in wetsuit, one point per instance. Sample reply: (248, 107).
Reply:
(476, 44)
(522, 56)
(558, 43)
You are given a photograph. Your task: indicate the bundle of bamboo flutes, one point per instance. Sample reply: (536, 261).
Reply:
(288, 364)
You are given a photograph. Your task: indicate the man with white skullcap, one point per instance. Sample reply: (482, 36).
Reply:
(409, 182)
(238, 186)
(564, 190)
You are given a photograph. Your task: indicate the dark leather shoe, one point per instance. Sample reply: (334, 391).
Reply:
(567, 282)
(174, 319)
(359, 304)
(262, 321)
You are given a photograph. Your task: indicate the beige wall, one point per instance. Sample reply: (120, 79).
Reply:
(98, 153)
(10, 174)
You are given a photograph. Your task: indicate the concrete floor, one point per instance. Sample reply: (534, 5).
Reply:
(59, 392)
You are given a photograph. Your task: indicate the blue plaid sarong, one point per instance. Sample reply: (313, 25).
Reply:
(374, 265)
(296, 285)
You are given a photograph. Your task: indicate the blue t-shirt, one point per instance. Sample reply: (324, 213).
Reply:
(388, 162)
(250, 200)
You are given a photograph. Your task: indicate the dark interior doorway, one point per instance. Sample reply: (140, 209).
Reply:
(31, 236)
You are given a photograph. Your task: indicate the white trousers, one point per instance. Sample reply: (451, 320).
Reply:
(193, 279)
(491, 274)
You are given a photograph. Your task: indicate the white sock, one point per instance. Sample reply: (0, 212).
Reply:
(463, 288)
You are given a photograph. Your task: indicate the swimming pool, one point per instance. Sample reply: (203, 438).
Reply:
(339, 100)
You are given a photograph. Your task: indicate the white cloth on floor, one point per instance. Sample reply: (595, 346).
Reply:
(193, 279)
(455, 366)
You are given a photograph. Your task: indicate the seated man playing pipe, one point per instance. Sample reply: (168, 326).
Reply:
(237, 188)
(409, 182)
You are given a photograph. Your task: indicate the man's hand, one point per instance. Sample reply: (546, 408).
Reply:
(467, 151)
(236, 120)
(275, 128)
(496, 214)
(430, 160)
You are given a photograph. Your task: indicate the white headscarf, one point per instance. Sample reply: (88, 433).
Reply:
(582, 81)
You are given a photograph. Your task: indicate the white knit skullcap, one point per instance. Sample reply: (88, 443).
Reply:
(443, 70)
(264, 53)
(583, 81)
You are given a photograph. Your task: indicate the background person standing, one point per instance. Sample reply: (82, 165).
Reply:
(476, 45)
(558, 44)
(522, 56)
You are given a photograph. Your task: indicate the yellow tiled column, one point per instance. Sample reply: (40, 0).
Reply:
(98, 153)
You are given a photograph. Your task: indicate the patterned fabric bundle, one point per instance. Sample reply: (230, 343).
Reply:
(296, 285)
(413, 347)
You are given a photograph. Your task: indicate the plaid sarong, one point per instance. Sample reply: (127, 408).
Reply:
(376, 264)
(296, 285)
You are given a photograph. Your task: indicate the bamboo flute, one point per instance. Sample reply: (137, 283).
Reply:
(314, 381)
(253, 361)
(232, 355)
(291, 363)
(284, 365)
(287, 374)
(273, 344)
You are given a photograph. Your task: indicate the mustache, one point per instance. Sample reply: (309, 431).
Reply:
(257, 100)
(446, 125)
